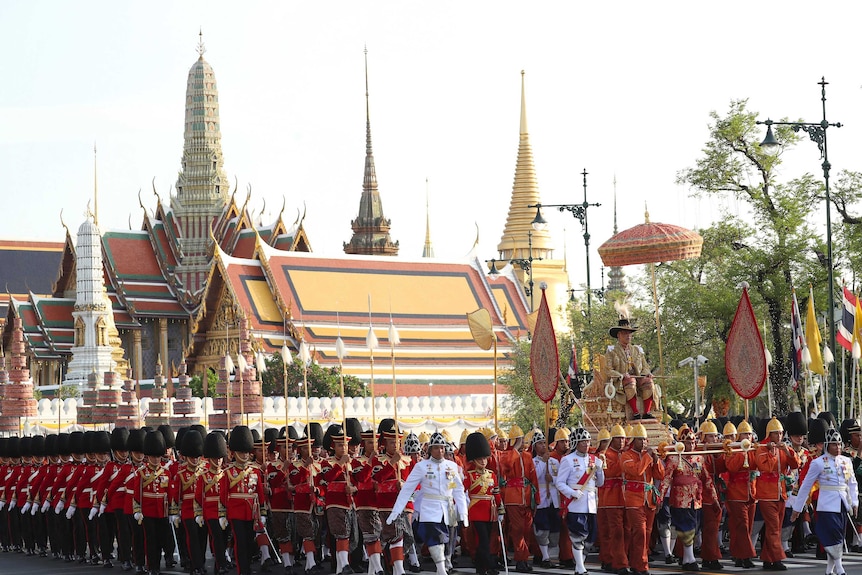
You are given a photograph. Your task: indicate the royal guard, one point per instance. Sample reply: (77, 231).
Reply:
(612, 508)
(182, 496)
(627, 365)
(685, 481)
(207, 503)
(797, 429)
(741, 499)
(170, 463)
(367, 517)
(442, 495)
(242, 497)
(304, 481)
(775, 460)
(839, 493)
(150, 499)
(851, 434)
(135, 445)
(111, 495)
(73, 492)
(520, 495)
(100, 529)
(547, 517)
(40, 510)
(413, 451)
(579, 475)
(9, 503)
(485, 506)
(280, 501)
(389, 472)
(27, 474)
(713, 464)
(336, 480)
(641, 468)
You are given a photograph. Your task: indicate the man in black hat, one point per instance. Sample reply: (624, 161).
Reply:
(336, 479)
(111, 493)
(182, 496)
(485, 506)
(627, 365)
(304, 481)
(207, 505)
(150, 499)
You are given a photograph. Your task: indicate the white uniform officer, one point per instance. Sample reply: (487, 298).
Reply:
(547, 519)
(442, 487)
(579, 475)
(839, 493)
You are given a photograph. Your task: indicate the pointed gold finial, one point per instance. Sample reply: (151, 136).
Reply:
(201, 48)
(95, 187)
(646, 213)
(523, 107)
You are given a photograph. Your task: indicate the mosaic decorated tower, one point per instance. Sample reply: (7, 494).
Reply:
(16, 389)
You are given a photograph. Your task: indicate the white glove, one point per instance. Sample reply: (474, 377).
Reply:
(263, 520)
(175, 519)
(139, 517)
(46, 506)
(499, 518)
(93, 513)
(12, 504)
(222, 521)
(26, 508)
(60, 507)
(391, 519)
(466, 522)
(102, 508)
(33, 510)
(2, 505)
(70, 512)
(199, 520)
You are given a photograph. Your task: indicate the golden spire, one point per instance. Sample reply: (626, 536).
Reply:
(524, 131)
(428, 250)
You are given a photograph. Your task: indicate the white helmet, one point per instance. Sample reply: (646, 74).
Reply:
(538, 436)
(833, 436)
(437, 440)
(411, 444)
(580, 434)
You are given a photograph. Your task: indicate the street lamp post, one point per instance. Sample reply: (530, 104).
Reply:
(526, 264)
(817, 132)
(579, 211)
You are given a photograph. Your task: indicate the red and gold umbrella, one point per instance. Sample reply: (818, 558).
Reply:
(650, 243)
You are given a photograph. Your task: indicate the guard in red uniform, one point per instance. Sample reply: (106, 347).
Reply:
(336, 479)
(611, 511)
(304, 481)
(111, 494)
(774, 461)
(183, 486)
(390, 470)
(741, 499)
(243, 497)
(710, 552)
(150, 500)
(520, 495)
(367, 517)
(72, 448)
(207, 498)
(100, 529)
(280, 500)
(484, 506)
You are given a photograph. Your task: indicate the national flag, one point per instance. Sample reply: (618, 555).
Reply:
(797, 338)
(573, 368)
(812, 336)
(845, 329)
(857, 330)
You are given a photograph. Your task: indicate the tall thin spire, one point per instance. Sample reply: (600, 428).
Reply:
(370, 228)
(525, 192)
(428, 250)
(95, 187)
(616, 281)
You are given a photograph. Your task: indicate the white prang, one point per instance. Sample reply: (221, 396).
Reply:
(93, 318)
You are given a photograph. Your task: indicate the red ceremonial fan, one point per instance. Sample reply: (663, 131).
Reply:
(544, 359)
(745, 356)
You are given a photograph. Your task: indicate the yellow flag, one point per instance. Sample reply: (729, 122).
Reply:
(812, 336)
(857, 323)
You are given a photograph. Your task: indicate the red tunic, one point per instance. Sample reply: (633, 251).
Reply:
(484, 493)
(774, 465)
(303, 477)
(182, 491)
(117, 486)
(334, 480)
(207, 494)
(520, 484)
(241, 492)
(364, 498)
(388, 474)
(741, 482)
(280, 499)
(150, 491)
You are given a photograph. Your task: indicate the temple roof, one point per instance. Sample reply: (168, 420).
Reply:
(27, 266)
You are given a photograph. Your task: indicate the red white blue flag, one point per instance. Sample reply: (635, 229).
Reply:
(797, 336)
(848, 318)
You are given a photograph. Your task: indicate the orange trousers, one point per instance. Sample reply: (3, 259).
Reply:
(740, 520)
(638, 527)
(771, 549)
(709, 550)
(519, 520)
(616, 535)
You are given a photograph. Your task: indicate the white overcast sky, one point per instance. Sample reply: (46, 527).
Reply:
(620, 88)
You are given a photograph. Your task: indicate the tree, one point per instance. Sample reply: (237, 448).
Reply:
(322, 381)
(781, 245)
(196, 384)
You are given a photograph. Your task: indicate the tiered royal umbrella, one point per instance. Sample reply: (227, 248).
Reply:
(651, 243)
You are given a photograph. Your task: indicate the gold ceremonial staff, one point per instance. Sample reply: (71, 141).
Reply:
(394, 340)
(341, 352)
(371, 342)
(305, 358)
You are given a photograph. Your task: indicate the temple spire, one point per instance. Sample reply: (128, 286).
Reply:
(525, 192)
(616, 276)
(370, 228)
(95, 187)
(428, 250)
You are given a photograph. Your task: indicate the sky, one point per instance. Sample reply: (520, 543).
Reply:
(622, 89)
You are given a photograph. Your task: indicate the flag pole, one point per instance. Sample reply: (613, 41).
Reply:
(371, 342)
(496, 425)
(341, 352)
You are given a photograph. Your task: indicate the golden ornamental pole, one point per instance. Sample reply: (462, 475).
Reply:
(261, 367)
(394, 340)
(496, 424)
(371, 342)
(341, 351)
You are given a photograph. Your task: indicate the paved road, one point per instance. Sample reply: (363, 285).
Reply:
(801, 564)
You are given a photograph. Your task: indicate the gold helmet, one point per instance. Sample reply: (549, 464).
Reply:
(562, 434)
(446, 435)
(618, 431)
(744, 427)
(629, 430)
(639, 431)
(708, 427)
(424, 437)
(463, 439)
(604, 434)
(501, 434)
(486, 431)
(774, 425)
(528, 438)
(729, 429)
(514, 432)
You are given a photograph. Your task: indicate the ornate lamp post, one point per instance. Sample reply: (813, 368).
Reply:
(817, 132)
(579, 211)
(526, 264)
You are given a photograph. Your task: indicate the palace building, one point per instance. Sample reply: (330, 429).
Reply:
(179, 286)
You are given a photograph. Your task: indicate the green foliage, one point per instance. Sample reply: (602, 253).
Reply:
(196, 384)
(322, 381)
(67, 391)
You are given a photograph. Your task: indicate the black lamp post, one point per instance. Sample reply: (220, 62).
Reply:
(579, 211)
(525, 264)
(817, 133)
